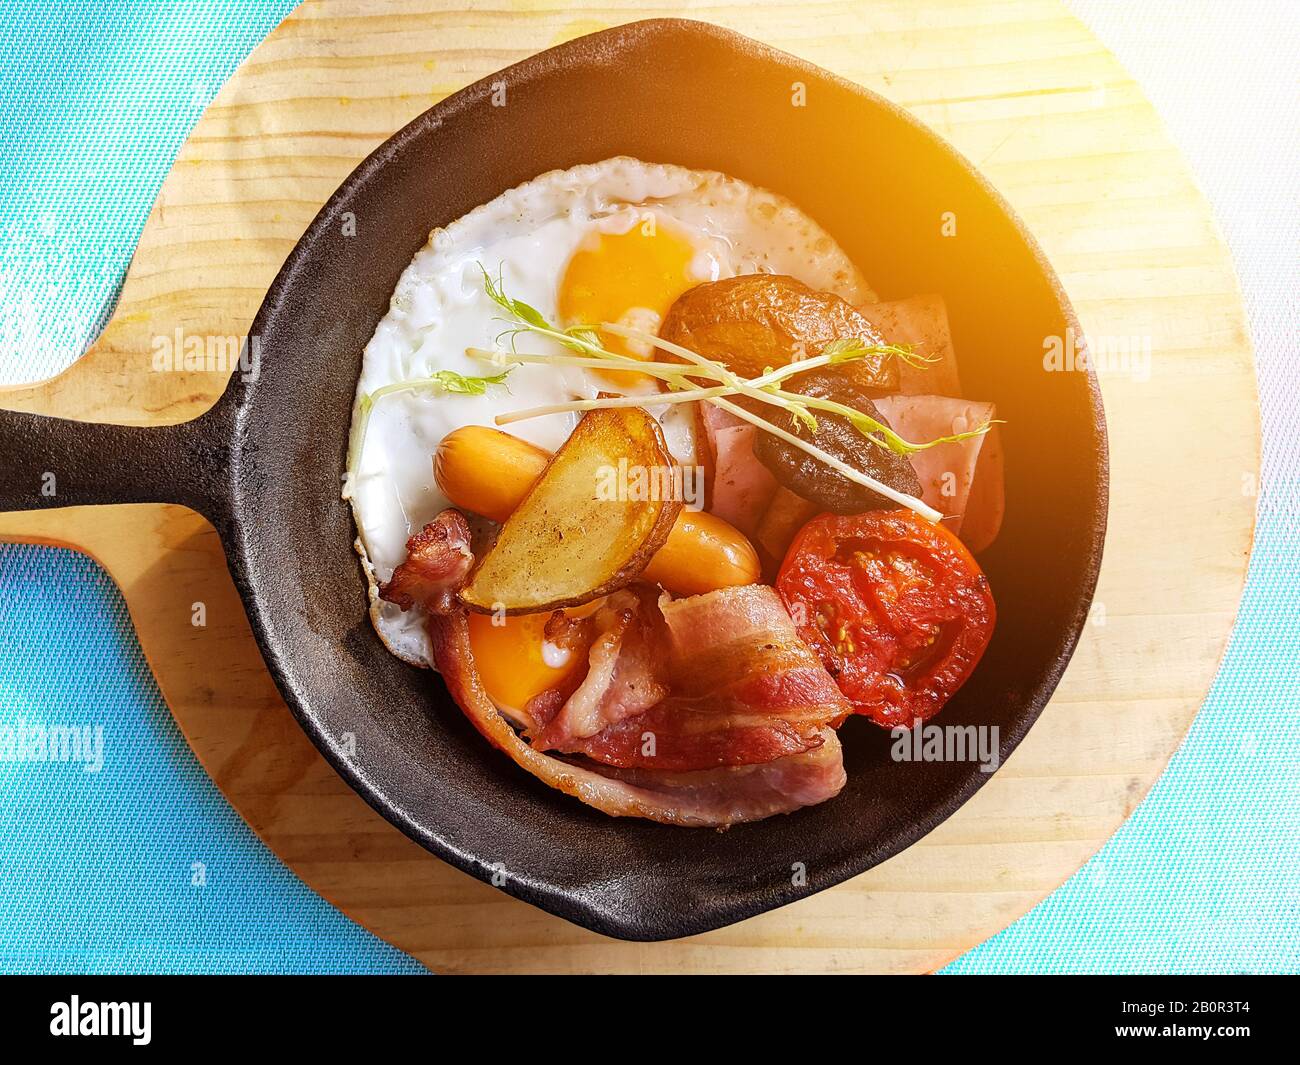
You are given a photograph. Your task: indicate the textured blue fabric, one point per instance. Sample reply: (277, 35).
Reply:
(132, 860)
(1205, 876)
(95, 100)
(97, 869)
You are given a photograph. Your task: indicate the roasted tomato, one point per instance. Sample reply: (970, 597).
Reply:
(895, 605)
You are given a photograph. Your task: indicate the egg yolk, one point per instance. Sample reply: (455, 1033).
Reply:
(515, 660)
(631, 277)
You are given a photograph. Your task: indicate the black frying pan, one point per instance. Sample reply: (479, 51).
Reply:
(265, 463)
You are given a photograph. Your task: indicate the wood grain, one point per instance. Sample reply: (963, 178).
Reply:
(1039, 105)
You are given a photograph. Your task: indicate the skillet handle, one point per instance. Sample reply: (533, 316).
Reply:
(54, 462)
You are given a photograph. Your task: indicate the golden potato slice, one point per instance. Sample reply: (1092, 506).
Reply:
(755, 321)
(589, 525)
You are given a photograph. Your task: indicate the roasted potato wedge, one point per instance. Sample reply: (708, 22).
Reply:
(757, 321)
(568, 542)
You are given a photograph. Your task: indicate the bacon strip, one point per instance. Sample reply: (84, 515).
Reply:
(750, 792)
(709, 799)
(737, 648)
(624, 677)
(438, 560)
(745, 689)
(678, 737)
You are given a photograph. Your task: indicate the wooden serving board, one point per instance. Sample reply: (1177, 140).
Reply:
(1041, 107)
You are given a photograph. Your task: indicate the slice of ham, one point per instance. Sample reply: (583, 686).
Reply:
(979, 499)
(438, 559)
(988, 497)
(921, 323)
(750, 693)
(708, 799)
(946, 471)
(740, 487)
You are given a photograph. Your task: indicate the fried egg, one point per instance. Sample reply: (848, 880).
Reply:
(614, 241)
(516, 661)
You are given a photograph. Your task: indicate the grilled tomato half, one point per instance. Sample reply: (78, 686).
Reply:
(895, 605)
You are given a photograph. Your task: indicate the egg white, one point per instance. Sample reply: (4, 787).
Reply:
(529, 233)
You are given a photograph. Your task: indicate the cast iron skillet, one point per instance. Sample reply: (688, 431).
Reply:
(264, 464)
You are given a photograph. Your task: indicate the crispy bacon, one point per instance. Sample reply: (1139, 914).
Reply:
(711, 798)
(720, 679)
(679, 737)
(438, 560)
(750, 792)
(567, 633)
(737, 650)
(624, 677)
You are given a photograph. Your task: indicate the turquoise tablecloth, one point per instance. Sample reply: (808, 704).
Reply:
(142, 865)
